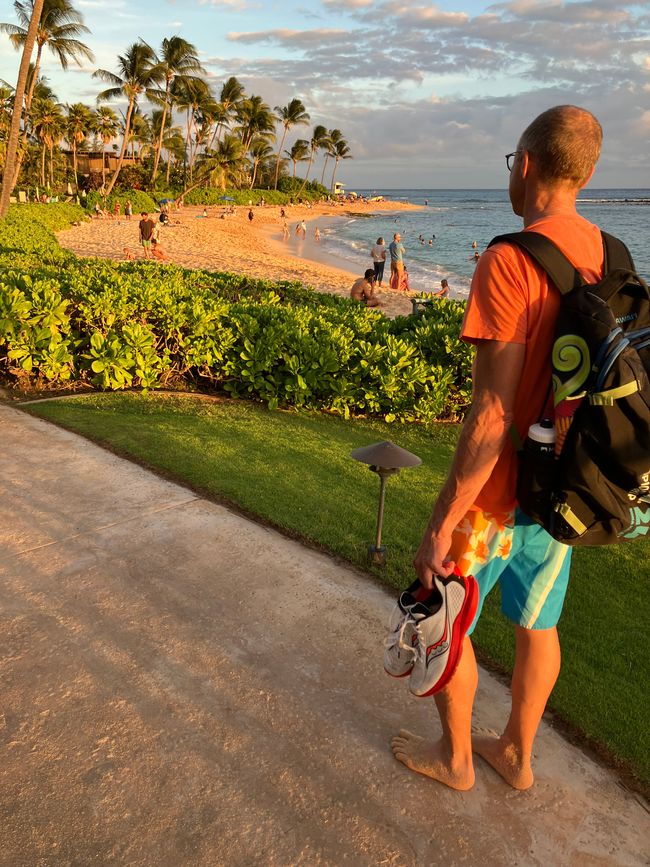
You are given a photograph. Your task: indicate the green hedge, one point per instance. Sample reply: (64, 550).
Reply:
(202, 196)
(141, 201)
(116, 325)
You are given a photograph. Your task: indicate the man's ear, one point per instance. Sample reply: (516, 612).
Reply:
(524, 162)
(588, 178)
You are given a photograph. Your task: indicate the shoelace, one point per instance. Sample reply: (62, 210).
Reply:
(397, 638)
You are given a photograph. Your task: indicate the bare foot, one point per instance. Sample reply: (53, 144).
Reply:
(504, 758)
(431, 759)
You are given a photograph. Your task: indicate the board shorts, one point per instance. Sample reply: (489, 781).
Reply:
(532, 568)
(146, 242)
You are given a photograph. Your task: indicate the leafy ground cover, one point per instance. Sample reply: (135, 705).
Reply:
(293, 470)
(67, 321)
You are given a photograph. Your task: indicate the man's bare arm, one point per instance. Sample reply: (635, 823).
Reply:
(497, 371)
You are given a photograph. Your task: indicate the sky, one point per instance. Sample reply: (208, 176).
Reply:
(427, 95)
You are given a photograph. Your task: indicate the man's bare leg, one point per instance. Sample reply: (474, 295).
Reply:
(537, 665)
(448, 760)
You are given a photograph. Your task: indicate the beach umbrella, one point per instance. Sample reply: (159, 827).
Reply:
(226, 199)
(164, 201)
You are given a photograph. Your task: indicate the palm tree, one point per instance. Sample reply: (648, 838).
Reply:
(299, 153)
(19, 93)
(137, 73)
(254, 117)
(59, 25)
(231, 94)
(106, 126)
(333, 136)
(260, 150)
(189, 94)
(288, 115)
(341, 152)
(318, 138)
(178, 58)
(221, 167)
(48, 124)
(78, 124)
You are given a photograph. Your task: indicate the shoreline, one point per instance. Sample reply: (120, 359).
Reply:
(254, 249)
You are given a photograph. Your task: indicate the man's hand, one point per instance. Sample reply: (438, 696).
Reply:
(430, 557)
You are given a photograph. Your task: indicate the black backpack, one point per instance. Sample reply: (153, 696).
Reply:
(594, 486)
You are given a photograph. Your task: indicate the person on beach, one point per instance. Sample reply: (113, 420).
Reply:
(396, 250)
(444, 291)
(128, 209)
(250, 215)
(285, 231)
(128, 255)
(363, 290)
(303, 228)
(476, 524)
(378, 256)
(146, 227)
(116, 209)
(316, 234)
(157, 251)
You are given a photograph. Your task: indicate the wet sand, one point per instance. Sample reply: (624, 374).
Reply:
(240, 246)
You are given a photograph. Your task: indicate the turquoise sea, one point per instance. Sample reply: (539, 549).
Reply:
(459, 217)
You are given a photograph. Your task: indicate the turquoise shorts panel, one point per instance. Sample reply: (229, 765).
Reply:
(533, 577)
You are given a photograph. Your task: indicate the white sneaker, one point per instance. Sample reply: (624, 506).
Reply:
(438, 639)
(399, 653)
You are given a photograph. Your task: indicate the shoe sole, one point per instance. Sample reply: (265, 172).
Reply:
(459, 630)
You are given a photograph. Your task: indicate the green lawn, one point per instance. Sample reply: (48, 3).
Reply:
(294, 470)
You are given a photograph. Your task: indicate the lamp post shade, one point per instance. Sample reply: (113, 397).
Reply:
(385, 459)
(386, 455)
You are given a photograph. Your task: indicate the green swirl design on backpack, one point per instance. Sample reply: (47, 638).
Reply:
(570, 353)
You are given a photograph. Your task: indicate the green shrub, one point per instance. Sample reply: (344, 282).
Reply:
(210, 196)
(116, 325)
(140, 200)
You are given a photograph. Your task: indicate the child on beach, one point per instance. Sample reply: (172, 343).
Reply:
(158, 252)
(316, 234)
(128, 255)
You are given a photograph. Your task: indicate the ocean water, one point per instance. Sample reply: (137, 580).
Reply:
(459, 217)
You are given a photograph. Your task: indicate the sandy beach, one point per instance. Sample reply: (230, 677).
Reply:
(236, 245)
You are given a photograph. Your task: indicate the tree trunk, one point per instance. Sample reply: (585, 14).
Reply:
(43, 164)
(51, 167)
(336, 163)
(74, 163)
(304, 183)
(125, 141)
(156, 156)
(14, 130)
(322, 177)
(20, 156)
(277, 162)
(169, 166)
(104, 166)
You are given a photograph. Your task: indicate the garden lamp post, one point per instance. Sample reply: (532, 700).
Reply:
(385, 459)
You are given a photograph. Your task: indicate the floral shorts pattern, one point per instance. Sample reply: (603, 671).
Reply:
(530, 566)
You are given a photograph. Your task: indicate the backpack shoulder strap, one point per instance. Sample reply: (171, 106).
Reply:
(616, 254)
(547, 255)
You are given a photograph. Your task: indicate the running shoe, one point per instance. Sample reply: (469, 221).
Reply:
(438, 641)
(399, 653)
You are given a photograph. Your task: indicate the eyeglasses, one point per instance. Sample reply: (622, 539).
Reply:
(510, 159)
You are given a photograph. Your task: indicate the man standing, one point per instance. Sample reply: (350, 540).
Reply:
(476, 523)
(396, 250)
(146, 227)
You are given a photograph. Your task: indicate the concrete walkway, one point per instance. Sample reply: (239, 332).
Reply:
(179, 686)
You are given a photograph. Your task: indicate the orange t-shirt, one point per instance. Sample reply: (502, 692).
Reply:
(513, 301)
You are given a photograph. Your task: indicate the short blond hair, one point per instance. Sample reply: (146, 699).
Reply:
(565, 141)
